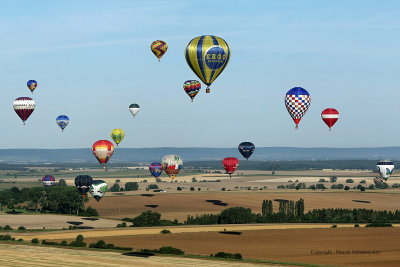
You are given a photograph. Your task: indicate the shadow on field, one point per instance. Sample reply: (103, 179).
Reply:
(361, 201)
(75, 223)
(13, 212)
(139, 254)
(147, 195)
(85, 227)
(230, 233)
(151, 206)
(217, 202)
(118, 194)
(90, 219)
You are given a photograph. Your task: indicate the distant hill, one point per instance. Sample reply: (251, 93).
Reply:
(135, 155)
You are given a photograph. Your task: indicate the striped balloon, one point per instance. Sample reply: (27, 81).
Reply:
(192, 88)
(103, 150)
(330, 116)
(24, 106)
(48, 180)
(207, 56)
(159, 48)
(297, 101)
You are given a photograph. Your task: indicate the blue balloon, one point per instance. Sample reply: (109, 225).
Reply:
(156, 169)
(62, 121)
(246, 149)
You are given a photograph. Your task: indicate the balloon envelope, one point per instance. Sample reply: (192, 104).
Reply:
(172, 164)
(62, 121)
(330, 116)
(103, 150)
(297, 101)
(117, 135)
(378, 181)
(159, 48)
(31, 84)
(385, 168)
(134, 109)
(192, 88)
(246, 149)
(48, 180)
(83, 183)
(230, 165)
(98, 189)
(156, 169)
(24, 106)
(207, 56)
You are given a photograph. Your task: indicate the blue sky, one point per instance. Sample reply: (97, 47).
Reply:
(92, 60)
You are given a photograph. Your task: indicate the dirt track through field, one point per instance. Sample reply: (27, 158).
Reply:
(23, 255)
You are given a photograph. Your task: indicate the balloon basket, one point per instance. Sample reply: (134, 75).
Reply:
(208, 90)
(297, 127)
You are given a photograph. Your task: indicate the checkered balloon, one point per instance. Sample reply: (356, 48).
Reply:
(297, 101)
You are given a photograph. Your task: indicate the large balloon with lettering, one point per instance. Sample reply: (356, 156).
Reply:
(207, 56)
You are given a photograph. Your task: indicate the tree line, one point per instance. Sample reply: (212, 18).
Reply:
(56, 199)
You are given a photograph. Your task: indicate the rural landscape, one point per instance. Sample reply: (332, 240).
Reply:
(199, 133)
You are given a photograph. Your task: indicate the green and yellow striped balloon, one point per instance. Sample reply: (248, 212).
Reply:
(207, 56)
(117, 135)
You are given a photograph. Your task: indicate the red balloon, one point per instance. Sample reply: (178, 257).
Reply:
(330, 116)
(230, 165)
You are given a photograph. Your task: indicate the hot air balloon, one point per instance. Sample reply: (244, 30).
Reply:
(32, 84)
(192, 87)
(83, 183)
(156, 169)
(103, 150)
(246, 149)
(207, 56)
(172, 164)
(230, 165)
(330, 116)
(159, 48)
(62, 121)
(385, 168)
(297, 102)
(98, 189)
(117, 135)
(24, 106)
(378, 181)
(48, 180)
(134, 109)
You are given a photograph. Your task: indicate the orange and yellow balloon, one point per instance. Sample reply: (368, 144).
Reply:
(103, 150)
(159, 48)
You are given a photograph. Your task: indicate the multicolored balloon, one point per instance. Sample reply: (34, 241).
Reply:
(207, 56)
(48, 180)
(62, 121)
(98, 189)
(385, 168)
(297, 101)
(159, 48)
(83, 183)
(156, 169)
(230, 165)
(192, 88)
(246, 149)
(330, 116)
(117, 135)
(172, 164)
(24, 106)
(378, 181)
(32, 84)
(103, 150)
(134, 109)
